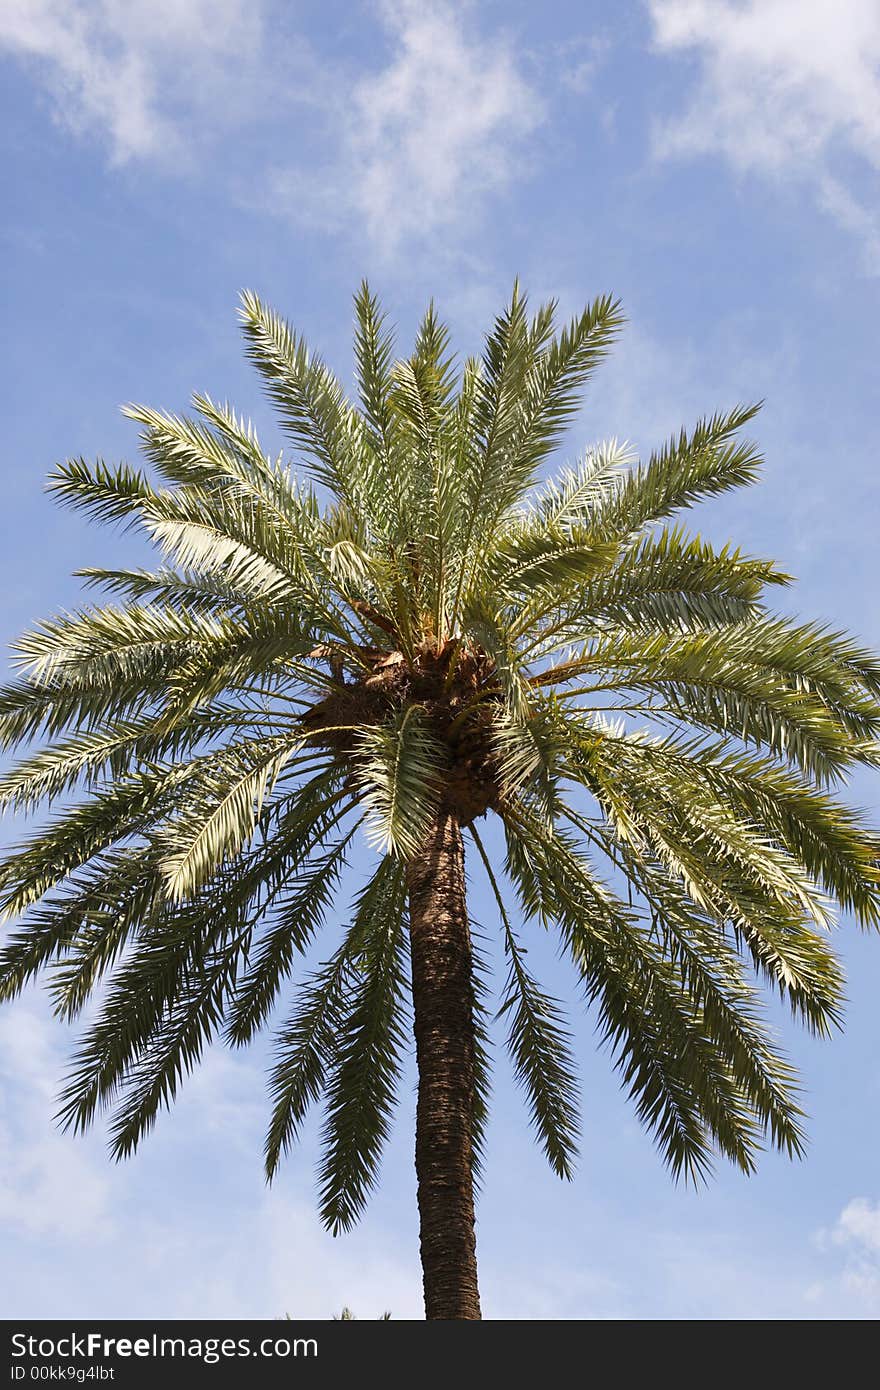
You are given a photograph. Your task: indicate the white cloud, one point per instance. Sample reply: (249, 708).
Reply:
(422, 142)
(787, 88)
(406, 146)
(550, 1291)
(856, 1235)
(859, 1225)
(133, 72)
(311, 1275)
(580, 59)
(211, 1239)
(39, 1167)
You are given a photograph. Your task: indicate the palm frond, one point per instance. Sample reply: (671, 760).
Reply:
(705, 463)
(299, 915)
(309, 400)
(366, 1065)
(539, 1045)
(307, 1047)
(680, 1074)
(399, 774)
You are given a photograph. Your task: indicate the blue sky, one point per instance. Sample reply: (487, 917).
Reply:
(713, 163)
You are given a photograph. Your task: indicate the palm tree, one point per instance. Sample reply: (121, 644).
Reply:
(411, 635)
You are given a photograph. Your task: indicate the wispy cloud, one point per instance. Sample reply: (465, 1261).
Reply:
(228, 1247)
(39, 1168)
(405, 142)
(136, 74)
(424, 140)
(787, 88)
(855, 1235)
(859, 1225)
(580, 59)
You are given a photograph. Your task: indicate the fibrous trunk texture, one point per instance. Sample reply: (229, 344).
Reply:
(443, 1004)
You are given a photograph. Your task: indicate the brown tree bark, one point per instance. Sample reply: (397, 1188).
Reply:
(443, 1004)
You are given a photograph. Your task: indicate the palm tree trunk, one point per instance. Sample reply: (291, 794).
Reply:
(443, 1004)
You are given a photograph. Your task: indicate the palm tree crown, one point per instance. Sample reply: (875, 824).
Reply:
(414, 628)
